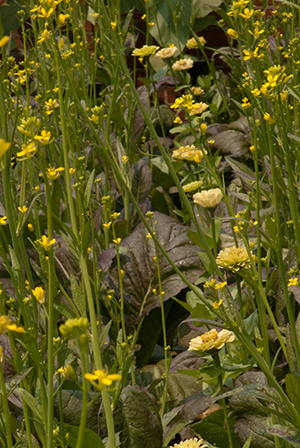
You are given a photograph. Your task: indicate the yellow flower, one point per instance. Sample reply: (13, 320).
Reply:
(197, 91)
(192, 186)
(44, 138)
(4, 146)
(113, 25)
(198, 108)
(115, 215)
(50, 106)
(268, 118)
(247, 13)
(233, 258)
(208, 198)
(7, 325)
(54, 173)
(217, 305)
(39, 294)
(293, 282)
(44, 36)
(192, 43)
(232, 33)
(165, 53)
(27, 152)
(211, 340)
(107, 225)
(23, 209)
(3, 220)
(183, 64)
(4, 41)
(203, 128)
(30, 227)
(46, 243)
(189, 152)
(74, 327)
(146, 50)
(100, 378)
(117, 241)
(177, 120)
(63, 18)
(191, 443)
(67, 372)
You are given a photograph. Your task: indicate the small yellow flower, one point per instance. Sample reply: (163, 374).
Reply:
(23, 209)
(178, 120)
(3, 220)
(44, 36)
(217, 305)
(27, 152)
(107, 225)
(7, 325)
(44, 138)
(117, 241)
(197, 91)
(183, 64)
(4, 41)
(115, 215)
(4, 146)
(293, 282)
(100, 378)
(74, 327)
(208, 198)
(54, 173)
(46, 243)
(67, 372)
(232, 33)
(30, 227)
(211, 340)
(268, 118)
(188, 152)
(113, 25)
(125, 159)
(203, 128)
(39, 294)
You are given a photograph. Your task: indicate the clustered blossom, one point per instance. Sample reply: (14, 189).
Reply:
(146, 50)
(208, 198)
(166, 53)
(198, 108)
(233, 258)
(183, 64)
(191, 443)
(189, 153)
(6, 325)
(212, 340)
(192, 186)
(192, 43)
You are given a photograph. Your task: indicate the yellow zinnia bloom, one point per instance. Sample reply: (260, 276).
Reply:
(233, 258)
(211, 340)
(208, 198)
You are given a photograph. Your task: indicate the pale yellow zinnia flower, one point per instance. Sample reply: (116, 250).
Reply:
(183, 64)
(166, 53)
(211, 340)
(208, 198)
(233, 258)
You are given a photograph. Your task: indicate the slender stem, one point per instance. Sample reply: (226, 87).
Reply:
(217, 364)
(6, 409)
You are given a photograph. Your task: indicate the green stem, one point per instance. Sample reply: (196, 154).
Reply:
(217, 364)
(6, 409)
(84, 402)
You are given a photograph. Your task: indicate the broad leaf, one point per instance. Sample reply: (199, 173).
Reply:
(141, 421)
(90, 438)
(141, 270)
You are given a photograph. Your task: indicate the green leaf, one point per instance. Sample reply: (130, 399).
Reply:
(9, 16)
(77, 295)
(160, 73)
(142, 277)
(141, 420)
(213, 429)
(198, 308)
(292, 385)
(64, 310)
(86, 236)
(160, 164)
(88, 190)
(290, 434)
(13, 258)
(90, 438)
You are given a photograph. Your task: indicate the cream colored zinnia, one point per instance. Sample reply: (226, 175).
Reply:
(183, 64)
(233, 258)
(211, 340)
(192, 43)
(198, 108)
(166, 53)
(192, 186)
(190, 443)
(189, 152)
(208, 198)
